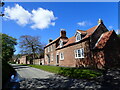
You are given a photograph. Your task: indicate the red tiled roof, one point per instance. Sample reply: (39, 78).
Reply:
(103, 39)
(82, 32)
(52, 41)
(88, 32)
(72, 39)
(91, 30)
(64, 39)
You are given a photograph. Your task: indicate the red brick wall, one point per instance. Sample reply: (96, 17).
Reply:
(109, 56)
(22, 60)
(99, 59)
(112, 51)
(69, 56)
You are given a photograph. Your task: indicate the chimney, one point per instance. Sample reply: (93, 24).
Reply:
(100, 21)
(50, 40)
(62, 33)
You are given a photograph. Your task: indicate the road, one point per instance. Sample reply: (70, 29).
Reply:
(36, 78)
(29, 72)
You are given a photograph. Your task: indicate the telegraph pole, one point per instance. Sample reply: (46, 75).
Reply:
(1, 5)
(1, 14)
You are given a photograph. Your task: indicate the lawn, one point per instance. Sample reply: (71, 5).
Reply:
(52, 69)
(69, 72)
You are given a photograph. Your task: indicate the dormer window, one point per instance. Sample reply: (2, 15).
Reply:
(61, 43)
(78, 37)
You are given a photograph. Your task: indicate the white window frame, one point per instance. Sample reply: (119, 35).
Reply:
(46, 57)
(79, 53)
(51, 48)
(61, 56)
(61, 43)
(51, 56)
(48, 49)
(45, 50)
(78, 34)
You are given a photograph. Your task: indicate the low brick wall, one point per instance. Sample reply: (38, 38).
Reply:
(38, 61)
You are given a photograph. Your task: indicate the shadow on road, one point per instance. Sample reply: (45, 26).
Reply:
(110, 80)
(55, 81)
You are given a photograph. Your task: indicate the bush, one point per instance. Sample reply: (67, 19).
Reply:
(12, 62)
(7, 71)
(78, 73)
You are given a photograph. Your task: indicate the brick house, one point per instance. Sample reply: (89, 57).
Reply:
(25, 60)
(96, 47)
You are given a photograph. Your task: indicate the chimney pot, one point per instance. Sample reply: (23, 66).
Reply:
(62, 33)
(100, 21)
(50, 40)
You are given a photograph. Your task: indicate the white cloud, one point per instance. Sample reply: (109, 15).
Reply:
(42, 18)
(83, 23)
(117, 31)
(39, 19)
(17, 13)
(110, 27)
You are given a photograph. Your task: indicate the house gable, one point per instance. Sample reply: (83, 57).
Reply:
(96, 34)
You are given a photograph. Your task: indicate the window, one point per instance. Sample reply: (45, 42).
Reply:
(51, 56)
(78, 37)
(79, 53)
(61, 43)
(51, 47)
(48, 49)
(61, 56)
(46, 57)
(45, 50)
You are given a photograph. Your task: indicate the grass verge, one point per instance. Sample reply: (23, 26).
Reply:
(70, 72)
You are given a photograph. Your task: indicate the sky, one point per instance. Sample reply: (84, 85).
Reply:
(45, 19)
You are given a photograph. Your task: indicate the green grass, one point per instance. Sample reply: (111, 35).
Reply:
(52, 69)
(70, 72)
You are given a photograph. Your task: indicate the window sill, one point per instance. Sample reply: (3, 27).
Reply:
(61, 59)
(77, 41)
(79, 57)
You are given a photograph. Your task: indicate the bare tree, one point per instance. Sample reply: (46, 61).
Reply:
(31, 45)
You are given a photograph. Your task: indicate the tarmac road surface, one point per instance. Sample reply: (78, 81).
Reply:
(30, 72)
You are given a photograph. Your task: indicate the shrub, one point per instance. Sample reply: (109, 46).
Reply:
(78, 73)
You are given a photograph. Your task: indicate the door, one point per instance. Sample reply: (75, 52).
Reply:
(57, 59)
(48, 58)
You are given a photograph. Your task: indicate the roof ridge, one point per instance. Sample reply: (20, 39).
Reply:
(81, 30)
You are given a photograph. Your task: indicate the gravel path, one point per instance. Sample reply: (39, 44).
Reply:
(34, 78)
